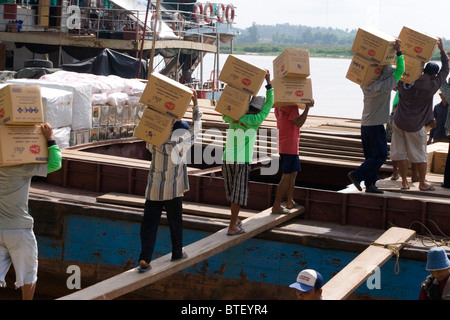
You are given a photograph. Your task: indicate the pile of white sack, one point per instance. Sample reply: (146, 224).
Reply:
(69, 99)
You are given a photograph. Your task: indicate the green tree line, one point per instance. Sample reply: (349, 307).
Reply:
(320, 41)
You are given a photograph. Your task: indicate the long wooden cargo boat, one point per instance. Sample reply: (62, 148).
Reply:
(79, 221)
(88, 215)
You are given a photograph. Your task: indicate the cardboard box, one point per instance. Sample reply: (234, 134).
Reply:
(154, 127)
(292, 62)
(22, 144)
(430, 155)
(363, 71)
(21, 105)
(291, 91)
(374, 45)
(233, 102)
(166, 96)
(417, 44)
(439, 160)
(242, 75)
(413, 69)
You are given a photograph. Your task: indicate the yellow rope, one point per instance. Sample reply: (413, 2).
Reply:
(395, 247)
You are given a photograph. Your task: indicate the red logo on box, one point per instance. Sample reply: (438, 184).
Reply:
(35, 149)
(299, 93)
(170, 105)
(377, 70)
(372, 52)
(2, 113)
(282, 68)
(246, 82)
(418, 49)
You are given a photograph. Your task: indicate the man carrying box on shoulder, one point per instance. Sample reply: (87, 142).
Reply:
(166, 184)
(238, 153)
(377, 99)
(413, 114)
(18, 244)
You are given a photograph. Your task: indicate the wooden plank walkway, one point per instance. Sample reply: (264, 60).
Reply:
(162, 267)
(207, 210)
(357, 271)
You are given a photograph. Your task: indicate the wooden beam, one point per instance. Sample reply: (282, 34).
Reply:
(132, 280)
(208, 210)
(357, 271)
(61, 39)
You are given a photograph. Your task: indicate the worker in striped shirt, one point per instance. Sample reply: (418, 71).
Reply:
(167, 182)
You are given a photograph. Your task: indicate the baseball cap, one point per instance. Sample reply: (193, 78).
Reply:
(437, 259)
(181, 124)
(307, 280)
(257, 102)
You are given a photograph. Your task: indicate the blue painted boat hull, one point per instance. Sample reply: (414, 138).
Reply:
(255, 269)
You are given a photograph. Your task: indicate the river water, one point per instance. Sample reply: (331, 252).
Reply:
(333, 93)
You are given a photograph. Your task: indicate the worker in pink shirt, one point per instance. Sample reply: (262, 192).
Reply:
(289, 122)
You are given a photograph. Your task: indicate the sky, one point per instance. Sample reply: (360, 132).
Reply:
(389, 16)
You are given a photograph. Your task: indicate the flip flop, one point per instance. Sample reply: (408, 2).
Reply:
(239, 225)
(282, 211)
(240, 231)
(394, 178)
(295, 205)
(404, 188)
(142, 269)
(430, 188)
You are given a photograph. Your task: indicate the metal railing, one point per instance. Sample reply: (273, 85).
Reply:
(126, 24)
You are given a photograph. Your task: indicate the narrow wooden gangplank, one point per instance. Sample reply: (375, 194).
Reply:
(162, 267)
(357, 271)
(203, 209)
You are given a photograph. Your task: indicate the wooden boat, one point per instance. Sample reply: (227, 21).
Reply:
(88, 214)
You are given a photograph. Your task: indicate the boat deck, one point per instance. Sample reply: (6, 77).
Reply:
(323, 140)
(310, 231)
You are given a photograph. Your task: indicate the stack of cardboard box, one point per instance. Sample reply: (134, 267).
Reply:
(166, 102)
(21, 138)
(373, 50)
(417, 47)
(243, 81)
(291, 83)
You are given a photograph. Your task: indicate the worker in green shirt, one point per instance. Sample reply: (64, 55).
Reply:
(238, 153)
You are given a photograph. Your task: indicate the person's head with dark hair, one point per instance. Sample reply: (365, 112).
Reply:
(431, 69)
